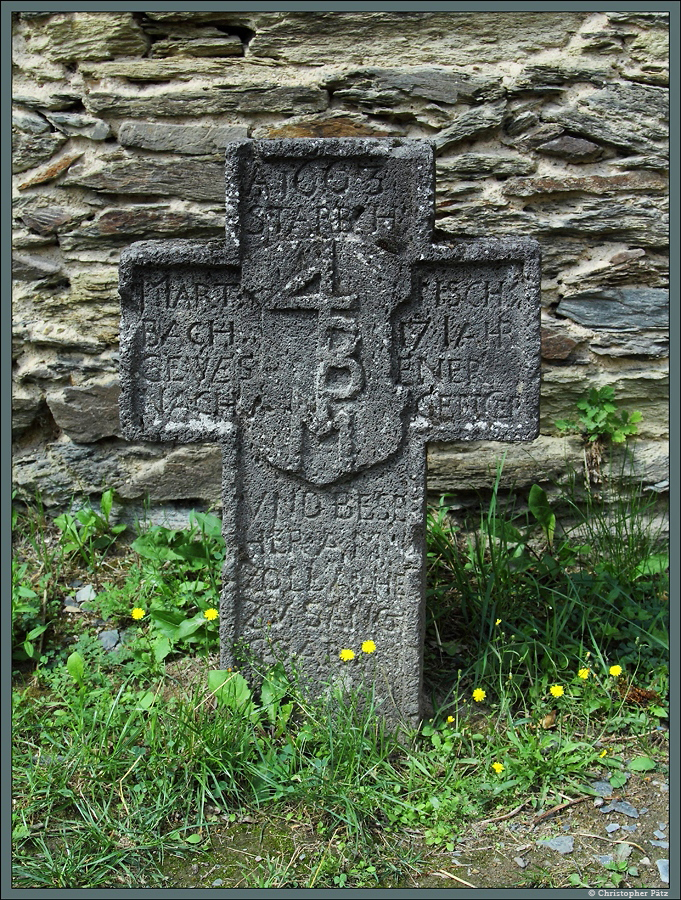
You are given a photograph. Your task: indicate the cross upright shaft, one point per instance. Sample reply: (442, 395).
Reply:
(322, 346)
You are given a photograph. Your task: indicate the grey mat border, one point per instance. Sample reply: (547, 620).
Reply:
(10, 6)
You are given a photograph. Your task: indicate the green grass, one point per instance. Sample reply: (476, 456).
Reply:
(119, 766)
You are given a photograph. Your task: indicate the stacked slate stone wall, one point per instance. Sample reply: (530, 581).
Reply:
(550, 124)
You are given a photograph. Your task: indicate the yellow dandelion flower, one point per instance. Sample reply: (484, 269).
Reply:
(479, 695)
(583, 673)
(137, 613)
(368, 647)
(602, 754)
(498, 622)
(556, 690)
(451, 719)
(346, 654)
(615, 670)
(498, 768)
(210, 614)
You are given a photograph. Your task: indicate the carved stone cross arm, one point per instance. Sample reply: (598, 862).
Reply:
(322, 345)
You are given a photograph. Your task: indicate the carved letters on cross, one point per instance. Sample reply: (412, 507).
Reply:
(322, 344)
(385, 327)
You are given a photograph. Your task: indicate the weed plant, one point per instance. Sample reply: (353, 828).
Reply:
(518, 599)
(536, 620)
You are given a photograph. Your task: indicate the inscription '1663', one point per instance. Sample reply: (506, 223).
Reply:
(320, 197)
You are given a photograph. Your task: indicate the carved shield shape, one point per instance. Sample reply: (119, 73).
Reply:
(324, 403)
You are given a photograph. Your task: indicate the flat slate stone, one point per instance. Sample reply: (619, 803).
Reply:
(78, 124)
(322, 344)
(563, 843)
(470, 123)
(109, 639)
(627, 115)
(190, 139)
(85, 593)
(87, 413)
(602, 788)
(576, 150)
(628, 309)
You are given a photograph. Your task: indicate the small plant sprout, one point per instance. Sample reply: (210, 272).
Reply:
(600, 418)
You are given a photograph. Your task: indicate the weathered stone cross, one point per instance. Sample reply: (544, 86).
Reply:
(322, 346)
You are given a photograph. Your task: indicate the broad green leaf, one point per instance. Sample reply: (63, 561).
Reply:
(274, 686)
(231, 689)
(617, 779)
(209, 524)
(106, 504)
(167, 621)
(189, 626)
(541, 510)
(653, 565)
(76, 666)
(87, 517)
(154, 545)
(36, 632)
(161, 647)
(194, 838)
(147, 700)
(642, 764)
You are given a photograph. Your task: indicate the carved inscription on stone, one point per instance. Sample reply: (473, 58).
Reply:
(328, 404)
(323, 345)
(289, 199)
(459, 347)
(345, 553)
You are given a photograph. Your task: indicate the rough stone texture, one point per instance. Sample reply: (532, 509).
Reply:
(571, 148)
(79, 125)
(193, 180)
(582, 98)
(29, 150)
(632, 117)
(191, 139)
(78, 36)
(87, 413)
(377, 38)
(322, 345)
